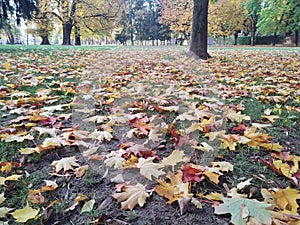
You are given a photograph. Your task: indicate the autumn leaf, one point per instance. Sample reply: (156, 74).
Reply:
(242, 209)
(237, 116)
(25, 214)
(176, 157)
(133, 195)
(223, 166)
(287, 200)
(88, 206)
(149, 169)
(174, 190)
(35, 196)
(191, 174)
(65, 163)
(115, 159)
(12, 177)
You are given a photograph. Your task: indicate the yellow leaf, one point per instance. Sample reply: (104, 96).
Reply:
(237, 116)
(4, 211)
(7, 167)
(212, 176)
(176, 156)
(215, 196)
(12, 177)
(25, 214)
(272, 146)
(88, 206)
(28, 151)
(270, 118)
(287, 200)
(132, 195)
(81, 197)
(285, 168)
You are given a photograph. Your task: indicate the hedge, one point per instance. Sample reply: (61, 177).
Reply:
(261, 40)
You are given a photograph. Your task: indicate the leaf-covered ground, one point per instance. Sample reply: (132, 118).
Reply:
(148, 136)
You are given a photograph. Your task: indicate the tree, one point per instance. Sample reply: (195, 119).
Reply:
(178, 15)
(293, 17)
(271, 18)
(227, 17)
(41, 24)
(83, 14)
(253, 8)
(22, 9)
(198, 46)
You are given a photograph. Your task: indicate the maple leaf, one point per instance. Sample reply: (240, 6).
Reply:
(176, 157)
(230, 141)
(42, 130)
(25, 214)
(223, 166)
(132, 195)
(191, 174)
(65, 164)
(149, 169)
(115, 159)
(287, 200)
(237, 116)
(242, 209)
(100, 135)
(142, 125)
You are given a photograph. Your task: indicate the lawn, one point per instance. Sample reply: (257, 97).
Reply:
(145, 135)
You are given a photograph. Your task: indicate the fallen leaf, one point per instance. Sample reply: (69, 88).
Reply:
(191, 174)
(25, 214)
(223, 166)
(132, 195)
(287, 200)
(242, 209)
(12, 177)
(65, 164)
(88, 206)
(176, 157)
(148, 168)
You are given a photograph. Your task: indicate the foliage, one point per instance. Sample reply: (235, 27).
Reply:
(159, 124)
(226, 17)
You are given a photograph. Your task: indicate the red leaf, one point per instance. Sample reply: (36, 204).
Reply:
(191, 174)
(240, 128)
(49, 121)
(271, 165)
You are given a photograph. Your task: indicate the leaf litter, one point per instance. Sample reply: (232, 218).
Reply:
(161, 120)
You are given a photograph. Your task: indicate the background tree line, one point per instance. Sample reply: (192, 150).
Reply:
(132, 22)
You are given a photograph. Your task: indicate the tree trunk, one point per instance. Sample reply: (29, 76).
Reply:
(199, 34)
(77, 36)
(67, 28)
(45, 41)
(236, 35)
(296, 37)
(274, 39)
(11, 37)
(253, 31)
